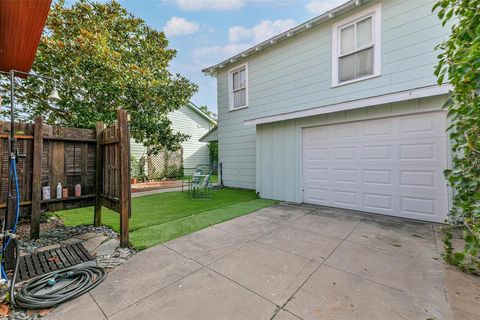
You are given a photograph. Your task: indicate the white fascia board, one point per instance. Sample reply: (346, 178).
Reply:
(343, 8)
(355, 104)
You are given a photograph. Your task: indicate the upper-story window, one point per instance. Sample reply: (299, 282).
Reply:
(238, 87)
(356, 47)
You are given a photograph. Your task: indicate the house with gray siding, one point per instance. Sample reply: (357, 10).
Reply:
(192, 121)
(343, 110)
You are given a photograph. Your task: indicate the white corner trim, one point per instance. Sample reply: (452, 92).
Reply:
(424, 92)
(230, 86)
(376, 13)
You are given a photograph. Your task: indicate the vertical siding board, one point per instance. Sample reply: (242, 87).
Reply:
(290, 161)
(258, 159)
(266, 158)
(278, 161)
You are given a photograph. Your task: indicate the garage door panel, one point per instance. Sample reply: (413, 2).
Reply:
(347, 153)
(390, 166)
(418, 206)
(344, 197)
(317, 154)
(345, 131)
(378, 201)
(417, 151)
(317, 195)
(423, 181)
(377, 177)
(421, 152)
(344, 175)
(378, 129)
(418, 178)
(376, 152)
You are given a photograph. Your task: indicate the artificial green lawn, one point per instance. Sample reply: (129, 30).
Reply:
(164, 216)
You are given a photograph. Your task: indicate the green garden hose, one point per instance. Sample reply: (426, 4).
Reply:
(54, 288)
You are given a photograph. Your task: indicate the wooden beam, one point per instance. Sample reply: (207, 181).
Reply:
(17, 136)
(37, 178)
(97, 217)
(23, 203)
(58, 138)
(124, 186)
(109, 141)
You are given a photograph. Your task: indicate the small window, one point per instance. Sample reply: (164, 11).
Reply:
(238, 87)
(356, 48)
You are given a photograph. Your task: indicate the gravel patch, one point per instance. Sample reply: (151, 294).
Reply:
(62, 234)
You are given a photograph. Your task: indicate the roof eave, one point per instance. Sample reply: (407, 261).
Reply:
(347, 6)
(201, 113)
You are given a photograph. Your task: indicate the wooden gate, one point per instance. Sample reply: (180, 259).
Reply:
(113, 172)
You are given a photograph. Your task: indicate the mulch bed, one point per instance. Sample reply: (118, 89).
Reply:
(155, 185)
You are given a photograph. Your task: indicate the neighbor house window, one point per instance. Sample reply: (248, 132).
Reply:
(356, 47)
(238, 87)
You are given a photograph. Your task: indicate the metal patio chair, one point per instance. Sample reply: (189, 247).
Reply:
(202, 187)
(200, 170)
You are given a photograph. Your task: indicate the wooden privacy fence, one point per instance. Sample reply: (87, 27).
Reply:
(113, 172)
(97, 159)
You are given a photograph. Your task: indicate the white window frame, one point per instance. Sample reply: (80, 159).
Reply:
(230, 86)
(375, 12)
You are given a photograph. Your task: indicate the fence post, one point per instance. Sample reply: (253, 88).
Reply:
(37, 178)
(97, 217)
(124, 163)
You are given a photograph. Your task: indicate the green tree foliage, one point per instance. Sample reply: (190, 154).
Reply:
(459, 64)
(213, 148)
(208, 112)
(105, 58)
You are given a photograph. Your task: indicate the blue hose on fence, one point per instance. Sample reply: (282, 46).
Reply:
(7, 239)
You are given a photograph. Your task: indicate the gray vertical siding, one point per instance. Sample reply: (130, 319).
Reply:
(296, 75)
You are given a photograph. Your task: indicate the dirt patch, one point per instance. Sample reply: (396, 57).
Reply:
(156, 185)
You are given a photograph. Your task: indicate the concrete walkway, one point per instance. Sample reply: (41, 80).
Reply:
(288, 262)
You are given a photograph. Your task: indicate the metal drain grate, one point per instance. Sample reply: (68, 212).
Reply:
(43, 262)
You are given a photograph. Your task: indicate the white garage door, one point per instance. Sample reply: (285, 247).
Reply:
(390, 166)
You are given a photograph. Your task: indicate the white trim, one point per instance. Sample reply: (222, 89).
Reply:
(375, 12)
(360, 103)
(237, 108)
(201, 113)
(341, 9)
(230, 87)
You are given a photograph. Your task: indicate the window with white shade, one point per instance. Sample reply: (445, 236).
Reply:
(238, 87)
(356, 47)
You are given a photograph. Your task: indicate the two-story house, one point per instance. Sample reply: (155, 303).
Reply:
(343, 110)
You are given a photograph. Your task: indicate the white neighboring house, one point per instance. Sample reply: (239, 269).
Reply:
(192, 121)
(343, 110)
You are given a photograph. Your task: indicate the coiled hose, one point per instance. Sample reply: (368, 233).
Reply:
(55, 287)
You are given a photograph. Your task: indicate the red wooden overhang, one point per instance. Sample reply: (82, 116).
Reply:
(21, 26)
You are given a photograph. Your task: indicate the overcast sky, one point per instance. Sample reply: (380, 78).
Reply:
(204, 32)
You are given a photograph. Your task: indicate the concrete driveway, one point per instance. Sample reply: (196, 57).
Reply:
(288, 262)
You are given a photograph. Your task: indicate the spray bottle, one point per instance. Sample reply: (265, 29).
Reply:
(59, 191)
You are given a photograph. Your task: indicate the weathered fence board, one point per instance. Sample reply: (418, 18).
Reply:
(94, 158)
(114, 152)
